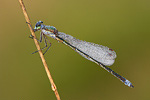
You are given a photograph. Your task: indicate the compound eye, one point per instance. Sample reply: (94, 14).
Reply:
(38, 24)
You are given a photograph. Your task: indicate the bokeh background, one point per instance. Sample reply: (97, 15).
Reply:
(123, 25)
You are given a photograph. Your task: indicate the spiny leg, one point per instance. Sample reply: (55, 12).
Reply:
(31, 27)
(41, 34)
(45, 38)
(31, 36)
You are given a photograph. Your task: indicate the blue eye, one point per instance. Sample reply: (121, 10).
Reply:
(38, 23)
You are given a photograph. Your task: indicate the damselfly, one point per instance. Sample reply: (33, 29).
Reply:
(101, 55)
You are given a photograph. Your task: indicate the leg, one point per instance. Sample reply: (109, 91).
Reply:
(41, 34)
(45, 38)
(31, 27)
(33, 30)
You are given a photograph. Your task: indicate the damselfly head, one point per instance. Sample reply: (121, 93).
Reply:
(38, 25)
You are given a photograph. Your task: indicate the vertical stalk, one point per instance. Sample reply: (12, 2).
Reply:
(53, 86)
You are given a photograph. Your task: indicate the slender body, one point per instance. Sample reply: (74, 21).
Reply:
(101, 55)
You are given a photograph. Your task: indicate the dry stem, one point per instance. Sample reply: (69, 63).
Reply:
(40, 52)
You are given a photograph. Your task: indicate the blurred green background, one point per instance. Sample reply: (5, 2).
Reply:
(123, 25)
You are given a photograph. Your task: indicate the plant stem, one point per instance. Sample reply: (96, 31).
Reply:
(53, 86)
